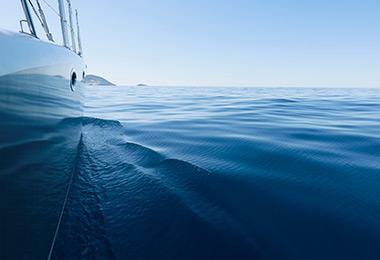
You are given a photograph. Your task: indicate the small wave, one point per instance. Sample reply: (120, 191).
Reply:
(183, 165)
(91, 121)
(141, 155)
(282, 100)
(101, 122)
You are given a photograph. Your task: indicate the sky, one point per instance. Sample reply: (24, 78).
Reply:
(263, 43)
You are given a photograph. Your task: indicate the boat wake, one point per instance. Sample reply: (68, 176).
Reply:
(122, 191)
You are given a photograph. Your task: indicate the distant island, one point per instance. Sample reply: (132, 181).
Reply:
(94, 80)
(142, 85)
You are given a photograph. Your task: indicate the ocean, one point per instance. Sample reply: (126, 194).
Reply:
(205, 173)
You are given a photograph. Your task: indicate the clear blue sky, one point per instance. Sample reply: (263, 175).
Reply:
(328, 43)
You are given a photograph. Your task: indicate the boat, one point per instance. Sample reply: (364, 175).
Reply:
(40, 110)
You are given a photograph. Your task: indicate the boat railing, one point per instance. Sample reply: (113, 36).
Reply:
(22, 27)
(69, 42)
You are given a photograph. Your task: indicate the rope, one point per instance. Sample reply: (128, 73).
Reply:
(63, 210)
(60, 217)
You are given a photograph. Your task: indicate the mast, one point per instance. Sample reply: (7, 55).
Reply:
(80, 51)
(28, 17)
(62, 14)
(73, 44)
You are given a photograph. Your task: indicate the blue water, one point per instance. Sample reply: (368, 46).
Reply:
(223, 173)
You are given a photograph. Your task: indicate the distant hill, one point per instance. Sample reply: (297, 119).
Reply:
(94, 80)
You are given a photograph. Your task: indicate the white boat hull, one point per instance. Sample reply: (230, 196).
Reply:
(24, 54)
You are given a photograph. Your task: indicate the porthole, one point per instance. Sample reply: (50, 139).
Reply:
(73, 80)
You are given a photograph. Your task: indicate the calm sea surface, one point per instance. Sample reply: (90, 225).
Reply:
(224, 173)
(234, 173)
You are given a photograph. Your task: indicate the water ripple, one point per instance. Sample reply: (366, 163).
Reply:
(214, 173)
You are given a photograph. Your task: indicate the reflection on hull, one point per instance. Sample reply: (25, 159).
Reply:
(38, 147)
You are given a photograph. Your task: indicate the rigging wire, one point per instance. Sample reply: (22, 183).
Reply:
(52, 8)
(41, 17)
